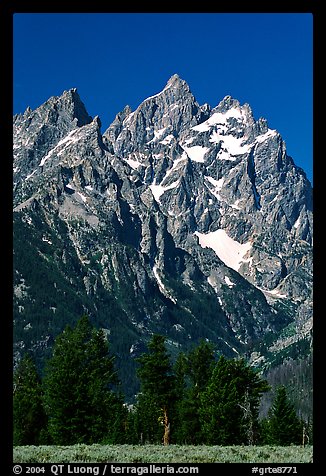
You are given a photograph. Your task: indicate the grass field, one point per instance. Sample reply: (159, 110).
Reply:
(162, 454)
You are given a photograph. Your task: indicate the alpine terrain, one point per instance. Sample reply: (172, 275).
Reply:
(180, 219)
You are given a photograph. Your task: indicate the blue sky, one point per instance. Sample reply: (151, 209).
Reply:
(114, 59)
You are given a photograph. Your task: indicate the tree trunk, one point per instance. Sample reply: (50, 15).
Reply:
(166, 437)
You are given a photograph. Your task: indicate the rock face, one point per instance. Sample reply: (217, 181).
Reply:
(180, 219)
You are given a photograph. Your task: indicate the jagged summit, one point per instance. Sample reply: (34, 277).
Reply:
(62, 110)
(175, 78)
(70, 102)
(164, 114)
(228, 102)
(180, 219)
(176, 82)
(176, 89)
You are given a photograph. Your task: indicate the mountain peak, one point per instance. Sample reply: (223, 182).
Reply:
(232, 106)
(174, 88)
(70, 101)
(180, 219)
(176, 82)
(228, 102)
(174, 79)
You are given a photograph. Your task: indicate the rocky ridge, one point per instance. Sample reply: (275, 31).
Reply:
(181, 219)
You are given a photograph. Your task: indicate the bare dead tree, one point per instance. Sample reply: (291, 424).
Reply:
(248, 418)
(166, 436)
(305, 436)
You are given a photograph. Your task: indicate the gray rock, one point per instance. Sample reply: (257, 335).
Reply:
(173, 205)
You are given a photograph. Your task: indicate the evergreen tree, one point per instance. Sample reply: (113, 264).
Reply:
(282, 427)
(29, 419)
(118, 422)
(200, 365)
(229, 404)
(157, 393)
(78, 395)
(195, 368)
(180, 415)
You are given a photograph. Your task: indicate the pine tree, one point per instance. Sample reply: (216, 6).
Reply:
(229, 404)
(283, 427)
(157, 393)
(29, 419)
(200, 365)
(219, 411)
(195, 368)
(79, 400)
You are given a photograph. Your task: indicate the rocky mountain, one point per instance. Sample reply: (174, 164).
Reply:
(179, 219)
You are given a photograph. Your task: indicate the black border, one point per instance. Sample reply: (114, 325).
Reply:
(7, 10)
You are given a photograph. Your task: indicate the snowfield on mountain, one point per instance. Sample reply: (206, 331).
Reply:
(181, 219)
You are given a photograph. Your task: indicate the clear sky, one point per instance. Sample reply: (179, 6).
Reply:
(115, 59)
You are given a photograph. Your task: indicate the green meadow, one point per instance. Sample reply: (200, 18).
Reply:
(162, 454)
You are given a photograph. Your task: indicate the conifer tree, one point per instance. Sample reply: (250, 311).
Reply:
(200, 365)
(29, 419)
(283, 425)
(157, 393)
(78, 395)
(229, 404)
(197, 366)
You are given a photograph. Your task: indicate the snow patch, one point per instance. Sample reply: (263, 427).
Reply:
(158, 190)
(84, 199)
(46, 240)
(69, 139)
(134, 164)
(196, 153)
(216, 183)
(276, 293)
(267, 135)
(30, 175)
(235, 205)
(218, 118)
(229, 282)
(230, 251)
(157, 135)
(217, 186)
(231, 145)
(234, 350)
(161, 286)
(297, 223)
(128, 118)
(167, 139)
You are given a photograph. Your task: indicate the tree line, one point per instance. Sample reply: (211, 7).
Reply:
(198, 399)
